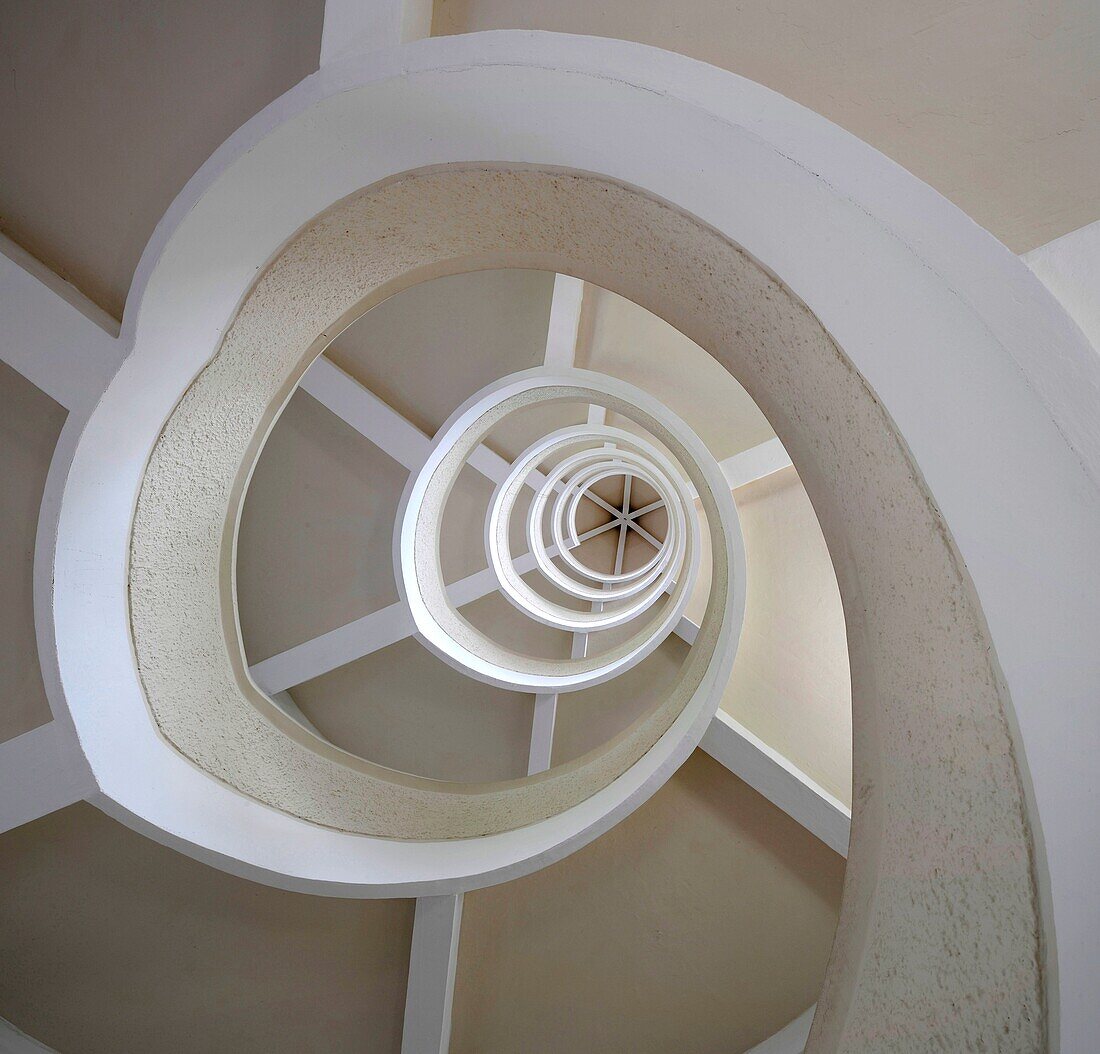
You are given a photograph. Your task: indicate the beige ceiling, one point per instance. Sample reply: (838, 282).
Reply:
(791, 683)
(108, 107)
(403, 708)
(111, 943)
(429, 348)
(995, 103)
(702, 922)
(629, 342)
(316, 536)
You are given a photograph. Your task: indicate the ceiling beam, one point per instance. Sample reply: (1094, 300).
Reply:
(374, 419)
(780, 781)
(359, 638)
(41, 771)
(543, 718)
(565, 321)
(755, 463)
(791, 1039)
(366, 25)
(1068, 267)
(52, 334)
(433, 960)
(12, 1041)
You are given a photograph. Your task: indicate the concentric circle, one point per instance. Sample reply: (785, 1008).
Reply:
(562, 469)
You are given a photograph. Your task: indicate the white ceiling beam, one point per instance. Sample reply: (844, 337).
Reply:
(372, 632)
(52, 334)
(366, 25)
(374, 419)
(755, 463)
(370, 416)
(334, 649)
(41, 771)
(433, 960)
(12, 1041)
(564, 325)
(653, 506)
(543, 717)
(624, 525)
(780, 781)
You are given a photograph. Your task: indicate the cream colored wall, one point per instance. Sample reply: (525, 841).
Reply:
(30, 422)
(701, 923)
(107, 108)
(592, 717)
(403, 708)
(791, 683)
(996, 105)
(111, 943)
(315, 544)
(429, 348)
(629, 342)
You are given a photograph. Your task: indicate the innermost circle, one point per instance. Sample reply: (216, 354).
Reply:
(627, 512)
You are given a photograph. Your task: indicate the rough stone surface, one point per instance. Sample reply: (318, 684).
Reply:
(938, 944)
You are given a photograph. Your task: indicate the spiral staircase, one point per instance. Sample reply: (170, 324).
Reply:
(513, 580)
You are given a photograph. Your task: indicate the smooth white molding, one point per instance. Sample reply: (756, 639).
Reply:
(1070, 268)
(755, 463)
(785, 785)
(41, 771)
(52, 334)
(432, 963)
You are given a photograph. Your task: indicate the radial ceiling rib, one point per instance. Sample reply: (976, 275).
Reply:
(565, 320)
(364, 25)
(432, 963)
(374, 419)
(52, 334)
(755, 463)
(779, 780)
(40, 771)
(372, 632)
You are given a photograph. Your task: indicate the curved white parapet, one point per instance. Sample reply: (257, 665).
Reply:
(663, 585)
(947, 427)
